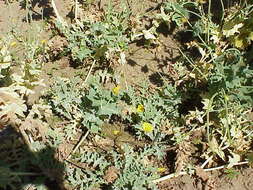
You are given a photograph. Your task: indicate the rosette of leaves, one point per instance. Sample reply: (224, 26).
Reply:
(66, 98)
(101, 39)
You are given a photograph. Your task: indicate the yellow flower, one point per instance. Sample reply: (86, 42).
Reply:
(43, 41)
(115, 132)
(116, 90)
(184, 20)
(13, 44)
(161, 170)
(140, 108)
(147, 127)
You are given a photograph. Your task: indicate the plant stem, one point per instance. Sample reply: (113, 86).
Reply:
(209, 20)
(91, 67)
(78, 145)
(25, 174)
(206, 170)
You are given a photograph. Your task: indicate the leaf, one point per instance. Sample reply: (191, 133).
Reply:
(10, 102)
(234, 159)
(233, 30)
(100, 52)
(108, 109)
(216, 149)
(207, 104)
(18, 109)
(5, 176)
(5, 56)
(122, 59)
(250, 157)
(148, 35)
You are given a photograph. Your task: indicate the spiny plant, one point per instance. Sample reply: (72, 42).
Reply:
(220, 66)
(140, 120)
(101, 37)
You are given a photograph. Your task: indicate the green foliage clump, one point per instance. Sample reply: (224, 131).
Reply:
(202, 110)
(95, 105)
(222, 68)
(131, 171)
(101, 38)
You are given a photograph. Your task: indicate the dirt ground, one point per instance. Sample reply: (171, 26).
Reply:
(141, 63)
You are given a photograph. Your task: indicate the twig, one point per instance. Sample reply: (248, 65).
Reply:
(211, 157)
(224, 166)
(206, 162)
(78, 145)
(60, 19)
(25, 174)
(80, 166)
(76, 10)
(89, 72)
(91, 67)
(206, 170)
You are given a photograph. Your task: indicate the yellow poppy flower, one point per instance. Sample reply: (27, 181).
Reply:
(13, 44)
(115, 132)
(140, 108)
(147, 127)
(161, 170)
(239, 43)
(116, 90)
(43, 41)
(184, 20)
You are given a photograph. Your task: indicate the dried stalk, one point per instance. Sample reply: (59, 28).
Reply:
(59, 18)
(206, 170)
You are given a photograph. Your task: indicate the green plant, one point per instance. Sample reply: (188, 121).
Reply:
(95, 105)
(175, 12)
(112, 135)
(231, 173)
(223, 72)
(100, 38)
(113, 169)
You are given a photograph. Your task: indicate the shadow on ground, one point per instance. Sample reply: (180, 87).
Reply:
(21, 168)
(37, 9)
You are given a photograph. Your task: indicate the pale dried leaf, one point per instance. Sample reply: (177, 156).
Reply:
(214, 146)
(184, 151)
(36, 127)
(111, 174)
(234, 159)
(148, 35)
